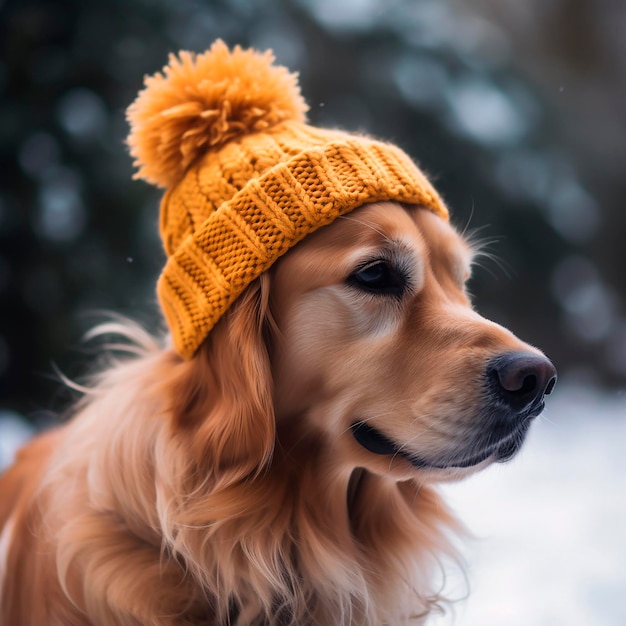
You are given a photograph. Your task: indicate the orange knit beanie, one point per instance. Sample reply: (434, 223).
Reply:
(224, 132)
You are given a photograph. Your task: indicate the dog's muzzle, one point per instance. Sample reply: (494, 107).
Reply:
(516, 384)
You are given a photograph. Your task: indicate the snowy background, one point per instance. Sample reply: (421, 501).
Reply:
(550, 526)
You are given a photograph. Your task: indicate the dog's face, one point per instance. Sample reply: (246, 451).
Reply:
(381, 354)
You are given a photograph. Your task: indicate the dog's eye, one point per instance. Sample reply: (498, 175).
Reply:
(378, 277)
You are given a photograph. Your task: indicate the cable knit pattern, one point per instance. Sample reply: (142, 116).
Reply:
(242, 204)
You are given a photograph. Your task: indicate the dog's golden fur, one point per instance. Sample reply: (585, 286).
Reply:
(230, 489)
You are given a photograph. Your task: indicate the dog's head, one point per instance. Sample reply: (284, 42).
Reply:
(375, 349)
(380, 352)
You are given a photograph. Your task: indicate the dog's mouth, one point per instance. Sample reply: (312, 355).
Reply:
(374, 441)
(377, 443)
(500, 439)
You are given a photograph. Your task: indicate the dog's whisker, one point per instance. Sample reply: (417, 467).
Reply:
(544, 417)
(366, 420)
(467, 223)
(384, 236)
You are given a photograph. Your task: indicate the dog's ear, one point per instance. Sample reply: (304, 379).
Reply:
(223, 397)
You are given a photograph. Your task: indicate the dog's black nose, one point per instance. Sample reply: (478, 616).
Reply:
(521, 379)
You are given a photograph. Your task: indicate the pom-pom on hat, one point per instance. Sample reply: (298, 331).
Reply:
(246, 178)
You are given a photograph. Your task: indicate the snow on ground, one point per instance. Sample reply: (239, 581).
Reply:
(550, 526)
(14, 432)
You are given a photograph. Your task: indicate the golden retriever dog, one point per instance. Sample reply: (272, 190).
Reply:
(285, 471)
(366, 378)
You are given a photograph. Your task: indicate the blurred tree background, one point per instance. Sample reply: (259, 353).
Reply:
(516, 109)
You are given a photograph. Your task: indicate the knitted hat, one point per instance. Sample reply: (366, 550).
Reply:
(224, 132)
